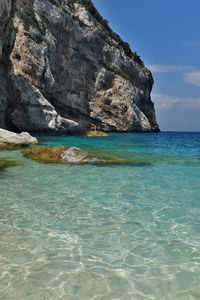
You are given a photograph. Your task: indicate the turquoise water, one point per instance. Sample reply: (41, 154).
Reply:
(103, 232)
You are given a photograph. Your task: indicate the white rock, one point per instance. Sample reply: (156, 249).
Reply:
(9, 137)
(77, 155)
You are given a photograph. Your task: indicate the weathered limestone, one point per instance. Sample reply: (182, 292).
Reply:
(77, 155)
(62, 70)
(10, 139)
(6, 44)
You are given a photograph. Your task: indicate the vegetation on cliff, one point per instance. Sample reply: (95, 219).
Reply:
(126, 47)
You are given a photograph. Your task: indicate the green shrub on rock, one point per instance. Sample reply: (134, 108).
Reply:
(26, 13)
(119, 72)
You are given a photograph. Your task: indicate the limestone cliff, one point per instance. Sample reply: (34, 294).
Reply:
(63, 69)
(6, 44)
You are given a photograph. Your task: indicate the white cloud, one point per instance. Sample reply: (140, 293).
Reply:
(166, 103)
(177, 114)
(162, 68)
(194, 44)
(193, 78)
(190, 74)
(163, 102)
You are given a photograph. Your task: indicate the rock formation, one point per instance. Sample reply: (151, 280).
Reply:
(63, 69)
(11, 139)
(74, 155)
(7, 162)
(6, 43)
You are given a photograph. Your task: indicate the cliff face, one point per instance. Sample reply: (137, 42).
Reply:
(65, 70)
(6, 44)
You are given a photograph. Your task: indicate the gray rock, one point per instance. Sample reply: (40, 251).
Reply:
(11, 138)
(68, 72)
(6, 44)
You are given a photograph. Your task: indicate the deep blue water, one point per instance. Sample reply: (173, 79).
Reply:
(104, 231)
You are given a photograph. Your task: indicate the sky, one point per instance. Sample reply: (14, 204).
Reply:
(166, 34)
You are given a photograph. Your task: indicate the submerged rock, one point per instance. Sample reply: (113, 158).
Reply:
(45, 154)
(10, 139)
(8, 162)
(75, 155)
(60, 154)
(96, 133)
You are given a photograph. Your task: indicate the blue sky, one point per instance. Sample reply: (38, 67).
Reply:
(165, 33)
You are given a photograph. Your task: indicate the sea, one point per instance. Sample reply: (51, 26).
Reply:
(103, 231)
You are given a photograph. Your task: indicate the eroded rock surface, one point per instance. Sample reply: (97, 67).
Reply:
(11, 139)
(7, 9)
(45, 154)
(68, 72)
(76, 155)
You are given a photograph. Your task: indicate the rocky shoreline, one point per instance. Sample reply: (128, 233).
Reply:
(30, 148)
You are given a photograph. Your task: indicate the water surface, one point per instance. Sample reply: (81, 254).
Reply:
(103, 232)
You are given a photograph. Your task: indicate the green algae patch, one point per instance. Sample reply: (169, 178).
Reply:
(154, 158)
(108, 159)
(8, 163)
(44, 153)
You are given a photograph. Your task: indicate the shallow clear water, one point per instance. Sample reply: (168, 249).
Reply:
(104, 232)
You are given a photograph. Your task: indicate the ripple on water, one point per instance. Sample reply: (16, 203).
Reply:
(118, 232)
